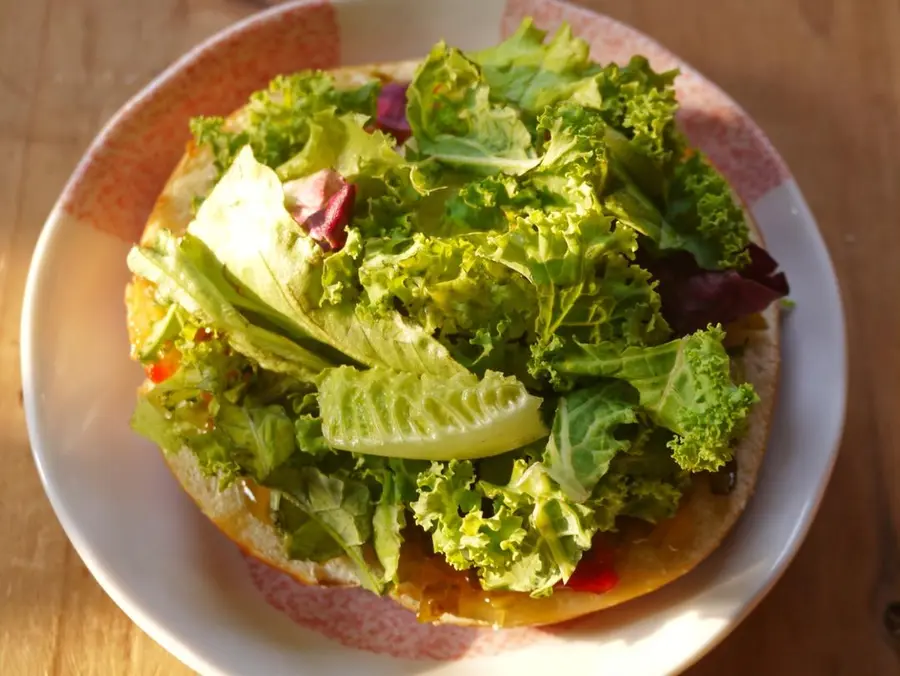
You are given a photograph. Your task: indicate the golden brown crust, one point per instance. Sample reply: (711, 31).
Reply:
(644, 561)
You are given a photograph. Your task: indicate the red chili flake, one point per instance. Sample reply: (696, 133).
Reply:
(159, 371)
(164, 368)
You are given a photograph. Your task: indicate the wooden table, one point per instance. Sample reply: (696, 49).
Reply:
(822, 78)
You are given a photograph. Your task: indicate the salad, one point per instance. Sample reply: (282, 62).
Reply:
(490, 307)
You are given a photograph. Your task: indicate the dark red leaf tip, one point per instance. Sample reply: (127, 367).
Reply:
(328, 226)
(391, 116)
(692, 298)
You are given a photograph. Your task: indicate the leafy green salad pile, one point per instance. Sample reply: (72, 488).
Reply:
(472, 348)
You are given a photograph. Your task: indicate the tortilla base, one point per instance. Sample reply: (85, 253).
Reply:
(644, 561)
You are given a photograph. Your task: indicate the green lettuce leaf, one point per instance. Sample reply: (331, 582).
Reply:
(454, 122)
(186, 429)
(583, 441)
(308, 432)
(632, 208)
(447, 288)
(304, 538)
(586, 289)
(648, 481)
(341, 143)
(640, 103)
(185, 273)
(704, 216)
(397, 203)
(534, 535)
(261, 438)
(210, 406)
(396, 481)
(219, 406)
(684, 385)
(267, 255)
(533, 539)
(276, 121)
(340, 506)
(483, 205)
(163, 331)
(421, 416)
(558, 532)
(533, 75)
(558, 247)
(388, 522)
(339, 271)
(449, 507)
(575, 165)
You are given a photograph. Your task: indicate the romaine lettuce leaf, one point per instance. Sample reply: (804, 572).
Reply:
(308, 432)
(685, 386)
(453, 120)
(246, 226)
(426, 417)
(185, 273)
(304, 539)
(164, 330)
(396, 480)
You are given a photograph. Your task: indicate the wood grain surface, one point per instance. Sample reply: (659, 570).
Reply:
(821, 77)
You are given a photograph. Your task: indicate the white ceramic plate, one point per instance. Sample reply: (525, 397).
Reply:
(187, 586)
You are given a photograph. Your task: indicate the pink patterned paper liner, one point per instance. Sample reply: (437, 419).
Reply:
(118, 182)
(709, 118)
(359, 619)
